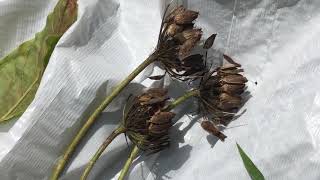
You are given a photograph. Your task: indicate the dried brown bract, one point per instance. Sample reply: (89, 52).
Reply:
(177, 38)
(220, 94)
(147, 126)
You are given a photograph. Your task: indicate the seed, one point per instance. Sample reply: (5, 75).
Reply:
(232, 88)
(212, 129)
(228, 102)
(234, 79)
(159, 128)
(186, 17)
(173, 29)
(175, 12)
(153, 96)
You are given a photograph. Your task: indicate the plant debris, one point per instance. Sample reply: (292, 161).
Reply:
(147, 126)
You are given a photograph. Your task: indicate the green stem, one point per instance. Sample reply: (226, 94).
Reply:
(171, 106)
(70, 149)
(181, 99)
(104, 145)
(126, 167)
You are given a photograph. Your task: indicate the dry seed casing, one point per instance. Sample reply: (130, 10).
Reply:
(147, 126)
(177, 38)
(220, 95)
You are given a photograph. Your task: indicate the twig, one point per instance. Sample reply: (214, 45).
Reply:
(105, 144)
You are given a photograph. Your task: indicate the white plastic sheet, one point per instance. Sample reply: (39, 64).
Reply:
(276, 41)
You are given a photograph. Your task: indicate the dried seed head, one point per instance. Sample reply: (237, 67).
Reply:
(212, 129)
(185, 17)
(177, 38)
(220, 92)
(146, 125)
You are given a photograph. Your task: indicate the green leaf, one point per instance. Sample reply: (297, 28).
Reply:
(252, 170)
(22, 69)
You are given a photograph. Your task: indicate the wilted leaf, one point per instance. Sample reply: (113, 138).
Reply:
(22, 69)
(252, 170)
(209, 42)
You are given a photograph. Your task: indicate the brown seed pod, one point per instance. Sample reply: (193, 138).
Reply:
(173, 29)
(185, 17)
(230, 71)
(159, 128)
(162, 118)
(229, 67)
(220, 93)
(189, 34)
(227, 102)
(230, 60)
(232, 88)
(233, 79)
(147, 127)
(185, 49)
(152, 96)
(176, 40)
(209, 42)
(212, 129)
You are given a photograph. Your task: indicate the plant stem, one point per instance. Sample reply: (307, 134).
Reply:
(70, 149)
(126, 167)
(181, 99)
(171, 106)
(104, 145)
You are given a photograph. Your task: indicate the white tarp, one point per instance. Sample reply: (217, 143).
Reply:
(276, 41)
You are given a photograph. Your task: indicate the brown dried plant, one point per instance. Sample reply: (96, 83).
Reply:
(220, 96)
(177, 38)
(147, 125)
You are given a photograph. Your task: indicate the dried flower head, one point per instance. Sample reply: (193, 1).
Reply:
(147, 126)
(177, 38)
(220, 95)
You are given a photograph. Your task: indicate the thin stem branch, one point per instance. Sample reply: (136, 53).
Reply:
(181, 99)
(70, 149)
(171, 106)
(104, 145)
(126, 167)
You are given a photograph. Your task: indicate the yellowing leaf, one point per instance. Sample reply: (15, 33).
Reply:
(22, 69)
